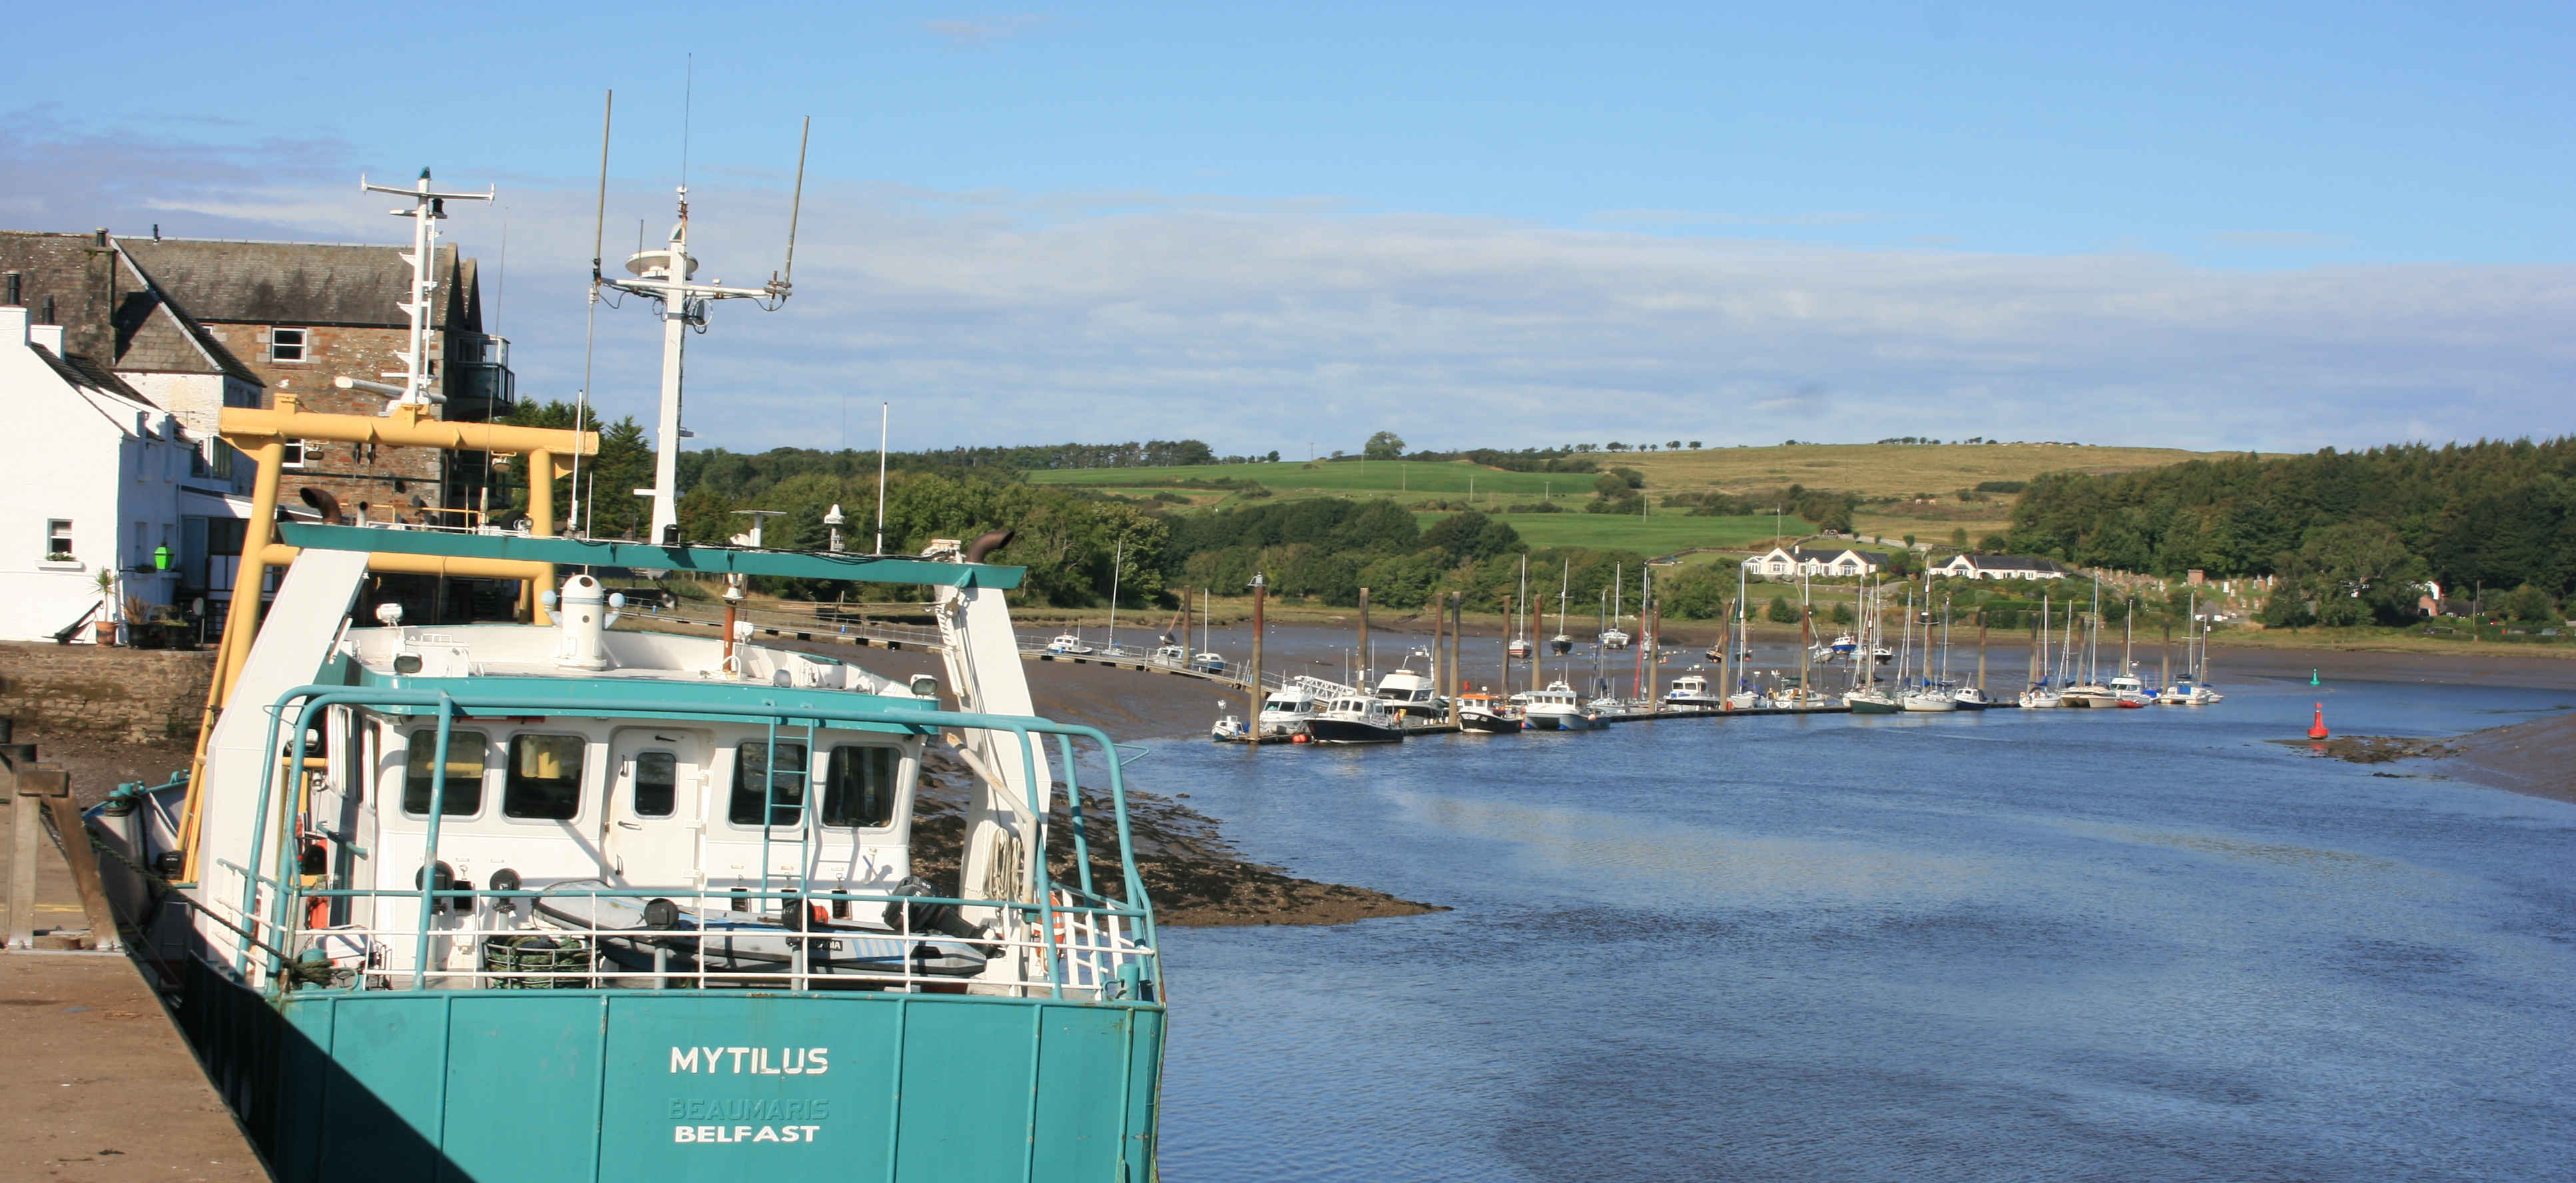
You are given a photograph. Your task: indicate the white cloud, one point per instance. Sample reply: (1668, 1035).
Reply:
(1000, 317)
(978, 32)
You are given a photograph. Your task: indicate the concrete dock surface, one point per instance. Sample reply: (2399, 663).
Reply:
(95, 1081)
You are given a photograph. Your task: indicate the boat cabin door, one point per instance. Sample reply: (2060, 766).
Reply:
(657, 805)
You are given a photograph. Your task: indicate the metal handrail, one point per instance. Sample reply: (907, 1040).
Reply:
(448, 703)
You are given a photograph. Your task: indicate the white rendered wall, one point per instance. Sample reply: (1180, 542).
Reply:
(76, 456)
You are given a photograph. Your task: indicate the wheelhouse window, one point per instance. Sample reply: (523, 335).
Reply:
(859, 785)
(657, 784)
(464, 772)
(58, 540)
(783, 785)
(544, 783)
(286, 345)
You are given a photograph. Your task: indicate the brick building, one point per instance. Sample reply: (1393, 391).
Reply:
(301, 314)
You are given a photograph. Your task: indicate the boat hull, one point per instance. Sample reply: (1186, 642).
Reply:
(558, 1086)
(1482, 724)
(1539, 721)
(1324, 730)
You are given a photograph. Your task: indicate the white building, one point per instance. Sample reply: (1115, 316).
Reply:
(1814, 562)
(95, 477)
(1998, 567)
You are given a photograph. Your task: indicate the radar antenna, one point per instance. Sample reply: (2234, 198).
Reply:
(668, 276)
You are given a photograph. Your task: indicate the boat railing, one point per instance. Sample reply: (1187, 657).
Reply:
(1060, 911)
(720, 937)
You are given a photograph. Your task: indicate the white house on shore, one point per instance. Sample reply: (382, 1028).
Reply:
(1999, 567)
(1814, 562)
(95, 477)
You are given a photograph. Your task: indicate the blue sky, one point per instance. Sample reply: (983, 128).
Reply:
(2257, 226)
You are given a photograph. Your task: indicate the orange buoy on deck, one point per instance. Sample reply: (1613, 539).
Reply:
(2317, 730)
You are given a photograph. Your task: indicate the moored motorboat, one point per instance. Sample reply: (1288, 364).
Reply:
(1557, 708)
(1355, 719)
(1068, 645)
(1692, 692)
(1410, 692)
(1481, 713)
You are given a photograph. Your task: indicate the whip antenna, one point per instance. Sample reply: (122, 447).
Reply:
(590, 314)
(795, 206)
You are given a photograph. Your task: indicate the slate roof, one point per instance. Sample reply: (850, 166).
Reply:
(298, 283)
(73, 270)
(112, 312)
(81, 371)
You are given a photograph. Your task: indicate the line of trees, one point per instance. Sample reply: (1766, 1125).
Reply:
(1066, 538)
(2351, 535)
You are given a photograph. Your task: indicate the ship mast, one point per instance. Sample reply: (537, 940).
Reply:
(668, 276)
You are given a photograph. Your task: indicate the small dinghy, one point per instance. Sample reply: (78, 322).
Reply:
(657, 936)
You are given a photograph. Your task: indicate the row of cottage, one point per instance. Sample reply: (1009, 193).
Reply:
(1790, 562)
(117, 358)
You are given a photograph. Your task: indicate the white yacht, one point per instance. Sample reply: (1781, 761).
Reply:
(1927, 700)
(1285, 710)
(2128, 690)
(1410, 692)
(1068, 645)
(1691, 691)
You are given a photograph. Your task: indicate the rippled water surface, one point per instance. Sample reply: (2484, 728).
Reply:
(2046, 945)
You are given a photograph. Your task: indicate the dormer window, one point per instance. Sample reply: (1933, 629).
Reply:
(286, 344)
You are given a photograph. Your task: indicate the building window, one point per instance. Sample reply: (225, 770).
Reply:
(58, 541)
(286, 345)
(294, 457)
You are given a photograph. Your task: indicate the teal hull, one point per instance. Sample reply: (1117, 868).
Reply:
(646, 1087)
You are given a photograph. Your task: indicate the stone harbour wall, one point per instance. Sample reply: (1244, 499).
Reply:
(107, 694)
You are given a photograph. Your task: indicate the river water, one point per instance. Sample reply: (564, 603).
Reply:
(2053, 945)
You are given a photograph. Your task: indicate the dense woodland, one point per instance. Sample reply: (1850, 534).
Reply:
(2352, 535)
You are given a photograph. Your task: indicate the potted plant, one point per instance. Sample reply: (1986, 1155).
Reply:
(107, 605)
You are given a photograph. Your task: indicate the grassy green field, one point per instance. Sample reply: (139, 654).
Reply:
(1936, 471)
(1657, 535)
(1341, 478)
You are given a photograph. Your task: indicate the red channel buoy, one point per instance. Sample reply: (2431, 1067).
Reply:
(1301, 737)
(2318, 730)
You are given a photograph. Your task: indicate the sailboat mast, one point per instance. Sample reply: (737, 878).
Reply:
(1114, 565)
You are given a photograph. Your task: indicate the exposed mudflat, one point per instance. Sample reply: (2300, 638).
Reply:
(1193, 875)
(2532, 758)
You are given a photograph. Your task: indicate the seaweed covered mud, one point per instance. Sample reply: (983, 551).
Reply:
(1195, 877)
